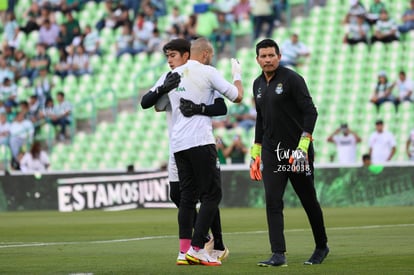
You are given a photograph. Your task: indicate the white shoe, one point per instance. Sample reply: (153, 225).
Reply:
(220, 255)
(181, 260)
(208, 246)
(201, 257)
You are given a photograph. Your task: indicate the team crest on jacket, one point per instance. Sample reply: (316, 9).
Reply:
(279, 88)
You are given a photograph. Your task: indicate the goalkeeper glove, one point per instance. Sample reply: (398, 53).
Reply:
(171, 82)
(299, 158)
(235, 69)
(189, 108)
(255, 163)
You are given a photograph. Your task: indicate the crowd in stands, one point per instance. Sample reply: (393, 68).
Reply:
(375, 24)
(383, 91)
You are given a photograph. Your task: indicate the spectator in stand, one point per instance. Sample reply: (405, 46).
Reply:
(223, 33)
(5, 71)
(34, 113)
(91, 41)
(346, 144)
(8, 92)
(121, 16)
(61, 68)
(262, 12)
(4, 129)
(292, 50)
(8, 55)
(381, 144)
(176, 20)
(46, 14)
(72, 26)
(48, 34)
(278, 7)
(385, 29)
(10, 111)
(142, 31)
(357, 32)
(24, 108)
(240, 115)
(408, 19)
(236, 151)
(242, 11)
(40, 60)
(35, 160)
(21, 134)
(356, 8)
(124, 42)
(154, 42)
(374, 11)
(19, 64)
(236, 115)
(11, 29)
(43, 86)
(80, 63)
(190, 26)
(31, 16)
(409, 147)
(107, 20)
(383, 91)
(64, 39)
(405, 88)
(60, 115)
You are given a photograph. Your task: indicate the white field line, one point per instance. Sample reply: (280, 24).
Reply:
(21, 244)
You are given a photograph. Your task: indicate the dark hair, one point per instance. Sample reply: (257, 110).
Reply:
(35, 150)
(366, 157)
(181, 45)
(61, 94)
(267, 43)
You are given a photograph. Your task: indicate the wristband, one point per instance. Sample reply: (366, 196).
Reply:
(236, 77)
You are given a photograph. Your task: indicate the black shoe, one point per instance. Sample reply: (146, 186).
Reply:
(318, 256)
(277, 259)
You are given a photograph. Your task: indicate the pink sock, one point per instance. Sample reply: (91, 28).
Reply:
(185, 245)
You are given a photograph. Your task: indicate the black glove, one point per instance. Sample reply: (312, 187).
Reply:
(171, 82)
(189, 108)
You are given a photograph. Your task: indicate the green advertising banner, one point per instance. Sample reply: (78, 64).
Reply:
(336, 187)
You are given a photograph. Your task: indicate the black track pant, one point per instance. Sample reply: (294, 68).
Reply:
(215, 226)
(199, 181)
(275, 177)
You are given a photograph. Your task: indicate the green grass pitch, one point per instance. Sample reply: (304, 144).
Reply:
(362, 241)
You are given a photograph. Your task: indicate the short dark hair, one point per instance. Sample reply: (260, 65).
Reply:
(366, 157)
(267, 43)
(181, 45)
(61, 94)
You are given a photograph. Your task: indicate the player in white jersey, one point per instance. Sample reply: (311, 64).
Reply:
(346, 143)
(381, 144)
(410, 145)
(193, 144)
(177, 52)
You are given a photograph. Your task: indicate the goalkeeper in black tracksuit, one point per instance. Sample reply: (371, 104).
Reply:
(286, 117)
